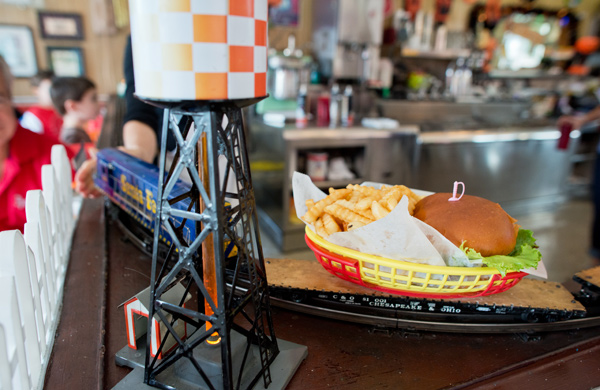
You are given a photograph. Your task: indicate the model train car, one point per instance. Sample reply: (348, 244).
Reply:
(132, 185)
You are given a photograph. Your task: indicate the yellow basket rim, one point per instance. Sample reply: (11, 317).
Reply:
(392, 263)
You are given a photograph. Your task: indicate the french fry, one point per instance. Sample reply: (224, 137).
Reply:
(378, 210)
(391, 198)
(367, 214)
(351, 206)
(354, 197)
(320, 228)
(365, 203)
(365, 190)
(355, 206)
(411, 205)
(345, 214)
(330, 224)
(315, 212)
(345, 203)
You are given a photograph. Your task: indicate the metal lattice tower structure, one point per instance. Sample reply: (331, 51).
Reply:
(211, 147)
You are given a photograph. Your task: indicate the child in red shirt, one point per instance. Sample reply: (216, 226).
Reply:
(22, 171)
(22, 154)
(42, 118)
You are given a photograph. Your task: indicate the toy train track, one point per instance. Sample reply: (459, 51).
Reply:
(304, 286)
(530, 306)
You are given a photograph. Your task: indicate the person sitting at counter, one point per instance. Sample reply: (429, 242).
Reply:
(22, 154)
(575, 123)
(76, 100)
(42, 118)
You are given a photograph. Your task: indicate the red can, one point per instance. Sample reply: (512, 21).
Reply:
(323, 110)
(565, 136)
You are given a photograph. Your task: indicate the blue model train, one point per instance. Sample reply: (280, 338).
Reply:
(132, 185)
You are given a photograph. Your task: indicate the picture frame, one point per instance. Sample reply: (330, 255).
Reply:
(60, 25)
(66, 61)
(18, 49)
(286, 13)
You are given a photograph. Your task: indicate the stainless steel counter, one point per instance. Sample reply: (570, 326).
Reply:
(447, 115)
(519, 167)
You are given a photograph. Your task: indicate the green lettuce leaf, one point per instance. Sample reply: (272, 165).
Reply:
(525, 255)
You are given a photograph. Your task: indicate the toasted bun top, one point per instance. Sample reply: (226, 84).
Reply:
(483, 225)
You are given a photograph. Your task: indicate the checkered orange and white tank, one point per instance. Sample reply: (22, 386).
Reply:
(199, 49)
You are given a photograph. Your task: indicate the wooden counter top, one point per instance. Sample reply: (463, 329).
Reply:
(105, 270)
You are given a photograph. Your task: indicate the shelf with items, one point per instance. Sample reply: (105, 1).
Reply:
(449, 54)
(332, 167)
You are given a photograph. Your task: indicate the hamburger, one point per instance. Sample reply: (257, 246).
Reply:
(481, 229)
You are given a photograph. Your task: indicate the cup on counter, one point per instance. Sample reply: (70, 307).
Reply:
(316, 165)
(323, 110)
(565, 135)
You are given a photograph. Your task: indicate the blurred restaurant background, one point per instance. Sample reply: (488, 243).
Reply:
(415, 92)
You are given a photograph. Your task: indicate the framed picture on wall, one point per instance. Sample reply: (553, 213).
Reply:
(18, 49)
(285, 13)
(66, 61)
(60, 25)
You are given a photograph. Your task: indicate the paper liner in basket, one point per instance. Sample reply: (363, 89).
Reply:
(397, 236)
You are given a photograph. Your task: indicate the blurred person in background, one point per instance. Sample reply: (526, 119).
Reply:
(42, 117)
(22, 154)
(576, 122)
(76, 100)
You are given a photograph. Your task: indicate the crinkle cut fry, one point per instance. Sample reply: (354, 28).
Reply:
(320, 229)
(365, 190)
(330, 224)
(354, 197)
(351, 206)
(365, 203)
(345, 214)
(313, 213)
(378, 210)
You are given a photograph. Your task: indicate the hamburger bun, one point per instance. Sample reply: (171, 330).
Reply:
(481, 224)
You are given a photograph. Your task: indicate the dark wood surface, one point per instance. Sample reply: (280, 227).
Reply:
(340, 355)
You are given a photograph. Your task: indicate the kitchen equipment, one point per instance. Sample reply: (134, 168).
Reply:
(347, 35)
(287, 71)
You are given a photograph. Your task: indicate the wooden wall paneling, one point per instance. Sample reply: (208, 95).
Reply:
(103, 53)
(103, 22)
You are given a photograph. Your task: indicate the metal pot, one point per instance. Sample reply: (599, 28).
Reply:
(287, 71)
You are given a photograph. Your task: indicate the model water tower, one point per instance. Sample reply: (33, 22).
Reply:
(203, 61)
